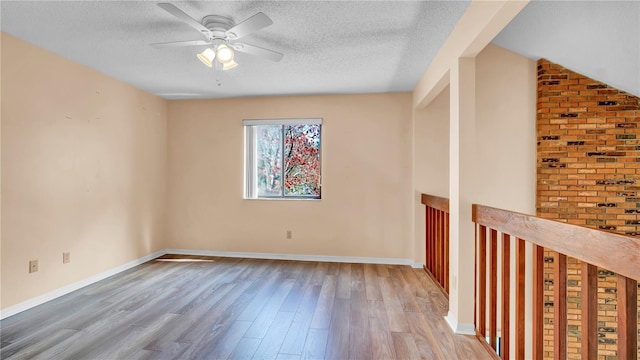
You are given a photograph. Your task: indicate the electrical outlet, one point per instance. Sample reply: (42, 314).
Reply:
(33, 266)
(66, 257)
(289, 234)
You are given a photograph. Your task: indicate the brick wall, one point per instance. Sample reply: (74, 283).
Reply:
(588, 174)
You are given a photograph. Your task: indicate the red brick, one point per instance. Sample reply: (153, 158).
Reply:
(572, 194)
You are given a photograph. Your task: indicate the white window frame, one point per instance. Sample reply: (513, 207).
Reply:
(250, 155)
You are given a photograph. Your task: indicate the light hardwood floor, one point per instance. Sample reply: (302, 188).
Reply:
(185, 307)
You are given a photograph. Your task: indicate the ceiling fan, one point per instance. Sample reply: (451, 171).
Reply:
(221, 33)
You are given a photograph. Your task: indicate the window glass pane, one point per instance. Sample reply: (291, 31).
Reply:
(302, 160)
(269, 160)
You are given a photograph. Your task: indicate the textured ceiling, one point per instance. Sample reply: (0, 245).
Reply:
(600, 39)
(329, 46)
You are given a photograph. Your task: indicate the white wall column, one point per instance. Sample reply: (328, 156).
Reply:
(462, 150)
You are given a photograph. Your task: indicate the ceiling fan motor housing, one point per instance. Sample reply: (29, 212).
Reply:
(218, 25)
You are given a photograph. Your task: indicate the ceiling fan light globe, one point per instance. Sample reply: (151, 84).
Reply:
(224, 54)
(207, 57)
(229, 65)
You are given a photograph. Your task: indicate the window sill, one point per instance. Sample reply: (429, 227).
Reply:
(284, 199)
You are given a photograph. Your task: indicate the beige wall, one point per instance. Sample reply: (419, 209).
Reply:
(431, 136)
(366, 205)
(83, 170)
(506, 130)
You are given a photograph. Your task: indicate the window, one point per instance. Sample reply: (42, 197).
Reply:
(282, 158)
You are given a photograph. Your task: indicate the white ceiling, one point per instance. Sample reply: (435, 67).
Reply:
(599, 39)
(329, 46)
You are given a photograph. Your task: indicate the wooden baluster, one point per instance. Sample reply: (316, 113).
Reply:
(436, 267)
(446, 252)
(428, 238)
(589, 294)
(441, 248)
(432, 226)
(538, 301)
(520, 281)
(482, 282)
(493, 288)
(627, 317)
(560, 307)
(506, 295)
(435, 243)
(476, 265)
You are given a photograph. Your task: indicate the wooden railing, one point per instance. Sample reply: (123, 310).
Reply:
(617, 253)
(437, 239)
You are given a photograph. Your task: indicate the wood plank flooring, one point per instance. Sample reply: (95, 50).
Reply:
(190, 307)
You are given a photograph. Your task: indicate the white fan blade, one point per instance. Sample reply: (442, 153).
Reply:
(257, 51)
(174, 96)
(251, 25)
(171, 9)
(181, 43)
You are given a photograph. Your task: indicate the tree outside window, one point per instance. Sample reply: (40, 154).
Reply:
(283, 158)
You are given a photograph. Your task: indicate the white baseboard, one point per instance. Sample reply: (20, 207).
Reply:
(459, 328)
(297, 257)
(25, 305)
(28, 304)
